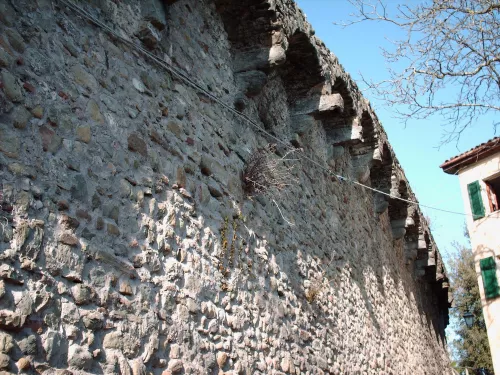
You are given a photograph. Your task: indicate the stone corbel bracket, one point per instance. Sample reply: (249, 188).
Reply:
(267, 44)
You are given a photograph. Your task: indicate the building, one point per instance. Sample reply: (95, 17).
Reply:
(479, 174)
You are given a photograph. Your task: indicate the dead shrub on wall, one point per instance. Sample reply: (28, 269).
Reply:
(314, 288)
(268, 174)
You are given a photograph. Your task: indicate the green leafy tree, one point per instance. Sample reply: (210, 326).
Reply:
(471, 348)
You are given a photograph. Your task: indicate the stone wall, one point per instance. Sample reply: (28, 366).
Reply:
(127, 243)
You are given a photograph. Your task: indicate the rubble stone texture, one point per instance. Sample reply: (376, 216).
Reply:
(127, 244)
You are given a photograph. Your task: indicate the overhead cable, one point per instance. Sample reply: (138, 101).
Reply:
(184, 77)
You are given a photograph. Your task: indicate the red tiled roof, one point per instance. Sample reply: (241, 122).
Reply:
(451, 166)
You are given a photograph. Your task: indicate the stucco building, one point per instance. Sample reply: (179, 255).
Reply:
(479, 174)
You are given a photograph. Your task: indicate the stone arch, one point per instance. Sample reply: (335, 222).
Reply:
(423, 251)
(362, 150)
(248, 23)
(339, 125)
(364, 136)
(302, 74)
(341, 87)
(431, 268)
(412, 227)
(255, 39)
(380, 175)
(398, 209)
(442, 289)
(253, 32)
(381, 171)
(308, 94)
(256, 42)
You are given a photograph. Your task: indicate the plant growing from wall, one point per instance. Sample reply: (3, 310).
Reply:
(268, 174)
(314, 289)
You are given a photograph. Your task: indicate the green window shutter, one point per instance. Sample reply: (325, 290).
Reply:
(476, 203)
(490, 282)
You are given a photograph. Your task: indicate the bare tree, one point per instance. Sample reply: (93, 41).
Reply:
(450, 58)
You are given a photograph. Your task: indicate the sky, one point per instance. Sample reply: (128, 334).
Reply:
(418, 146)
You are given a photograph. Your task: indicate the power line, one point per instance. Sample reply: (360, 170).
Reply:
(184, 77)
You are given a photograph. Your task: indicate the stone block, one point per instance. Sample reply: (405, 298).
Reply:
(83, 134)
(64, 260)
(94, 320)
(112, 229)
(94, 112)
(137, 144)
(82, 294)
(79, 357)
(21, 117)
(149, 35)
(175, 128)
(154, 12)
(4, 361)
(10, 275)
(79, 188)
(7, 14)
(29, 241)
(5, 59)
(258, 59)
(10, 143)
(319, 104)
(68, 239)
(251, 82)
(55, 347)
(84, 78)
(15, 40)
(23, 364)
(10, 87)
(51, 142)
(398, 233)
(303, 124)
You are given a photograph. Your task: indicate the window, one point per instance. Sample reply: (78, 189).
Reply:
(489, 275)
(476, 202)
(493, 191)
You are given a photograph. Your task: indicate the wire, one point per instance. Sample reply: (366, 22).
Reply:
(183, 76)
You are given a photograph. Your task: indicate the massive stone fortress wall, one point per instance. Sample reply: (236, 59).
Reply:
(127, 243)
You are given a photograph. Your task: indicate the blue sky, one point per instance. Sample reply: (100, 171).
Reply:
(416, 145)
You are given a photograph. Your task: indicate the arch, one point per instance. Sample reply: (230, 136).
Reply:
(423, 250)
(398, 209)
(380, 176)
(368, 135)
(341, 87)
(302, 72)
(432, 261)
(363, 145)
(423, 244)
(248, 23)
(339, 124)
(412, 227)
(300, 77)
(252, 31)
(306, 89)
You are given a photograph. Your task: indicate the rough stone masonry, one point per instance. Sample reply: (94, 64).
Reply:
(127, 243)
